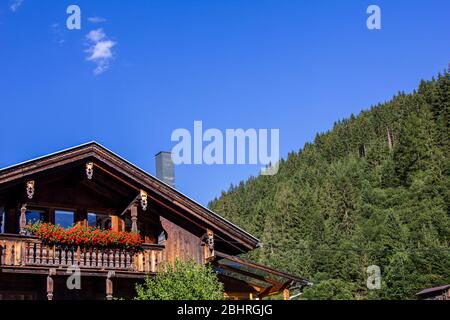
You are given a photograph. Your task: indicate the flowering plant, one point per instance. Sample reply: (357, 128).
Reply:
(85, 236)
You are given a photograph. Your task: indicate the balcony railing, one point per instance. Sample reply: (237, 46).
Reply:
(28, 251)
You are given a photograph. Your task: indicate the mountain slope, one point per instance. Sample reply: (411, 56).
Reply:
(372, 191)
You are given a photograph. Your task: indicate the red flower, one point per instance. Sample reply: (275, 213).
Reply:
(85, 236)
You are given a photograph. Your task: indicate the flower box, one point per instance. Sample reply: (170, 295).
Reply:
(85, 236)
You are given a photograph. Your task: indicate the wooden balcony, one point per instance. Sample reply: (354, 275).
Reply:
(18, 251)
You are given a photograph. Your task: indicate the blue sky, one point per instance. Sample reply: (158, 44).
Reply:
(293, 65)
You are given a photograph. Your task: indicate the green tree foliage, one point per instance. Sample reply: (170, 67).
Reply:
(335, 289)
(182, 281)
(374, 190)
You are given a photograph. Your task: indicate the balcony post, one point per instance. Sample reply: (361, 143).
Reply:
(50, 283)
(23, 219)
(109, 285)
(134, 214)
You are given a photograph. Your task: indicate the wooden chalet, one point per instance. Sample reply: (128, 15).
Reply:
(91, 185)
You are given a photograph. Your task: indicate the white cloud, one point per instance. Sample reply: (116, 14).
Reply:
(96, 19)
(15, 4)
(96, 35)
(58, 34)
(100, 50)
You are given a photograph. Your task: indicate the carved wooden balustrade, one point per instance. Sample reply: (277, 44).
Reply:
(27, 251)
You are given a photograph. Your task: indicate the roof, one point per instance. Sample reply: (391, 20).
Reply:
(435, 289)
(267, 281)
(238, 264)
(140, 176)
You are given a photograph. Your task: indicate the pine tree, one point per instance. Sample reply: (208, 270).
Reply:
(371, 191)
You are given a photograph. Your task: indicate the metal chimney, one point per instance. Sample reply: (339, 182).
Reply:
(165, 168)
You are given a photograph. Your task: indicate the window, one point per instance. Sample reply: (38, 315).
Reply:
(127, 222)
(97, 220)
(65, 219)
(33, 216)
(2, 220)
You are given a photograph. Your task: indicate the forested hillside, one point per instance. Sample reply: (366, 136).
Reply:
(374, 190)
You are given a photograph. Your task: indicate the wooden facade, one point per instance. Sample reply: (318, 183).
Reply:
(90, 184)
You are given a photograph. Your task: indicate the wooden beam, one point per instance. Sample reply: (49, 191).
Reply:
(257, 288)
(282, 288)
(70, 207)
(249, 274)
(104, 181)
(265, 293)
(103, 192)
(117, 177)
(130, 204)
(261, 267)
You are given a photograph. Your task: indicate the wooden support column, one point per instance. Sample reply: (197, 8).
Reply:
(115, 223)
(50, 283)
(23, 219)
(134, 214)
(109, 285)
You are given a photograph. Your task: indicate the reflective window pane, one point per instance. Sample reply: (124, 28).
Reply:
(102, 221)
(33, 216)
(65, 219)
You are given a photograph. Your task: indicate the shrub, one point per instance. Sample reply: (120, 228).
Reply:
(185, 280)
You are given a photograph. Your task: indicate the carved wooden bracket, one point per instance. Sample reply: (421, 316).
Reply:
(144, 200)
(208, 240)
(30, 189)
(90, 170)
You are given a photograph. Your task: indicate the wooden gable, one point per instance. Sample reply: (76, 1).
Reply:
(61, 181)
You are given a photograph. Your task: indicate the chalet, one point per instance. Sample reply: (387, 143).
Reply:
(89, 185)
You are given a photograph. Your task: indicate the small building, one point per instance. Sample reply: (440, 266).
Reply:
(89, 185)
(436, 293)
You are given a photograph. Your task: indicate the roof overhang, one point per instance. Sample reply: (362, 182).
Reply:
(267, 281)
